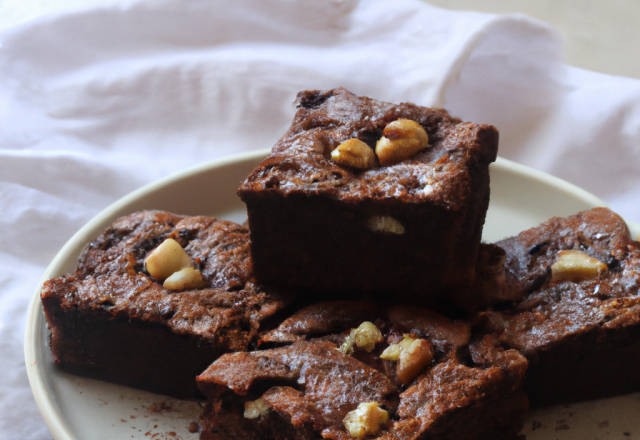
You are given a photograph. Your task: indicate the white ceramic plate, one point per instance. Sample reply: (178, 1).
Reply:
(85, 409)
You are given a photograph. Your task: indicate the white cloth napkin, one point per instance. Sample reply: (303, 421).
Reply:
(98, 100)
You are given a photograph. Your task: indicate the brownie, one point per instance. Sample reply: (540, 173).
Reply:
(469, 389)
(111, 320)
(410, 230)
(582, 336)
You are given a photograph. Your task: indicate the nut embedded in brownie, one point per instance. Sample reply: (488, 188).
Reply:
(362, 197)
(369, 370)
(112, 320)
(578, 319)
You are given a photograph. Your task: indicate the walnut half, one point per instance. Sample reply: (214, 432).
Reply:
(355, 154)
(170, 263)
(401, 139)
(166, 259)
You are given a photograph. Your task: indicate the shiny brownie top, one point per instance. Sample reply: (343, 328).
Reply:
(301, 162)
(327, 372)
(552, 308)
(111, 278)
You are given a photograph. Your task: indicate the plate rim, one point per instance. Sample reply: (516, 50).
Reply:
(46, 402)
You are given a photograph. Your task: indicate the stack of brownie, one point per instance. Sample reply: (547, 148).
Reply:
(359, 302)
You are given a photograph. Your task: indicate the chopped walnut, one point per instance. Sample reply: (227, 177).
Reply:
(401, 139)
(576, 266)
(347, 345)
(413, 356)
(166, 259)
(187, 278)
(414, 360)
(254, 409)
(354, 153)
(366, 420)
(366, 336)
(385, 224)
(392, 352)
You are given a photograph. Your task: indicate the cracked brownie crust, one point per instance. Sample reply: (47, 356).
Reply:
(110, 320)
(469, 390)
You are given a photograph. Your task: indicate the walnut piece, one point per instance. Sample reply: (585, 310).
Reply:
(166, 259)
(385, 224)
(254, 409)
(355, 154)
(414, 360)
(187, 278)
(413, 356)
(347, 345)
(365, 420)
(576, 266)
(366, 336)
(401, 139)
(393, 351)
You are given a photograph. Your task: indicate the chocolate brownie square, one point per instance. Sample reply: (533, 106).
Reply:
(111, 320)
(409, 227)
(359, 369)
(578, 319)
